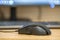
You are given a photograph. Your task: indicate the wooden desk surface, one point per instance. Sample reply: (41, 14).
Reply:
(15, 36)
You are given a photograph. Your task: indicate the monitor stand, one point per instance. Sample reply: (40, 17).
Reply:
(13, 14)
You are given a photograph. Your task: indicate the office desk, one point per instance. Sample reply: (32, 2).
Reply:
(15, 36)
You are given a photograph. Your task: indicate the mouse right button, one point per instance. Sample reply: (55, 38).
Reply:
(38, 31)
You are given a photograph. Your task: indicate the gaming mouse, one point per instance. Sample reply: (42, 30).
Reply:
(34, 29)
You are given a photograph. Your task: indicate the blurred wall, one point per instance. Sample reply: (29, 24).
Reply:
(30, 12)
(35, 13)
(44, 13)
(6, 11)
(49, 14)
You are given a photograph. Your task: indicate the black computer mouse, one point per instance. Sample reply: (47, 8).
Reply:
(34, 29)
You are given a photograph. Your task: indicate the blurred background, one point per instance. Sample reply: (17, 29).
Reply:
(23, 15)
(33, 13)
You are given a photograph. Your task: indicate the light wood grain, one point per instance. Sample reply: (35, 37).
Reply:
(15, 36)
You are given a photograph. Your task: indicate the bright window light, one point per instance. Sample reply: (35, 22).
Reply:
(6, 2)
(52, 5)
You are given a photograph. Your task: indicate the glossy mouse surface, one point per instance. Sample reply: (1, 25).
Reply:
(35, 30)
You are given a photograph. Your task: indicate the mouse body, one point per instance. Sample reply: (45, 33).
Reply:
(34, 29)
